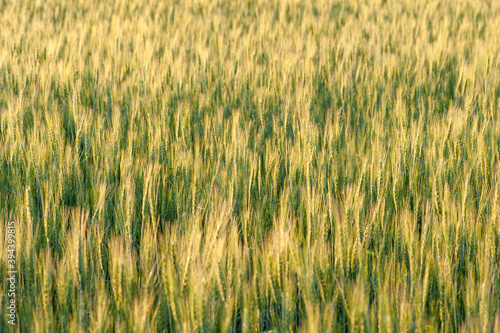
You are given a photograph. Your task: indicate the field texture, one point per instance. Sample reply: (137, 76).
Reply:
(217, 165)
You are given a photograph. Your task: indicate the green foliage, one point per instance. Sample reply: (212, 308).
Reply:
(251, 165)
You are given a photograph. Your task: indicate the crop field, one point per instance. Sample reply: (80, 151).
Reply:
(250, 166)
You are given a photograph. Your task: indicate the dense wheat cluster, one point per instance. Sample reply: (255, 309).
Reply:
(218, 165)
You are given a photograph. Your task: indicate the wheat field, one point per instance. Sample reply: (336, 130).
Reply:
(251, 166)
